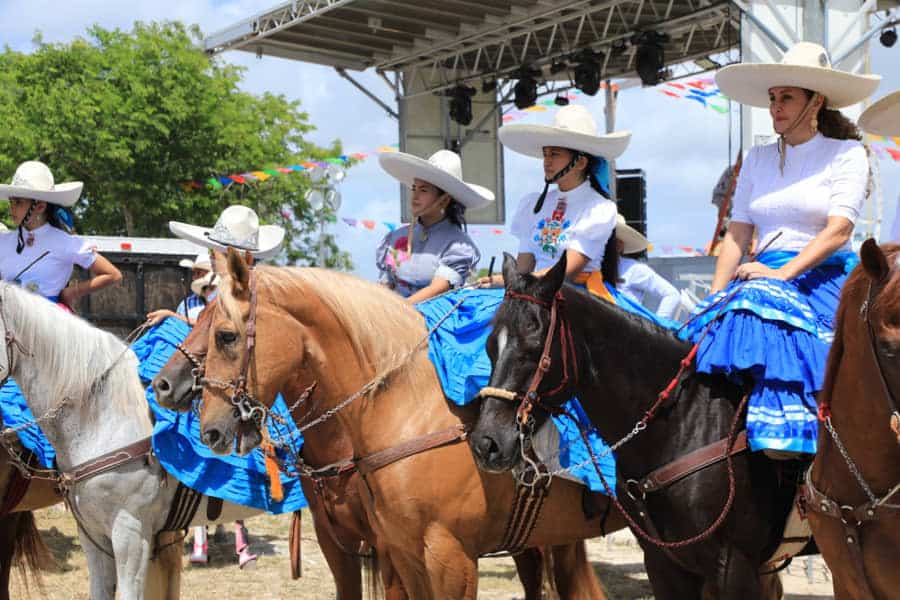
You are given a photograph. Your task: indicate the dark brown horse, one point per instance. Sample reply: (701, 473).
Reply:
(853, 504)
(434, 512)
(551, 342)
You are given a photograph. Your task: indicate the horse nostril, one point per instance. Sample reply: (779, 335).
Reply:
(487, 447)
(162, 385)
(211, 437)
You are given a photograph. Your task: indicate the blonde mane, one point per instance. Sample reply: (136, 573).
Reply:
(70, 356)
(382, 327)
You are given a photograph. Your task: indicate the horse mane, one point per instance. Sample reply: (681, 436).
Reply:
(72, 354)
(853, 295)
(381, 326)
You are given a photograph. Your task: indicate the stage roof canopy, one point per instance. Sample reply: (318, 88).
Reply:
(439, 43)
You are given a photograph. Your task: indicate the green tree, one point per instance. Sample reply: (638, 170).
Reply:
(137, 114)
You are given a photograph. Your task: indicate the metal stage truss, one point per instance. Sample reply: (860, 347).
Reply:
(432, 46)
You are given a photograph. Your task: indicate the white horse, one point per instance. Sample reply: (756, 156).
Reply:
(82, 384)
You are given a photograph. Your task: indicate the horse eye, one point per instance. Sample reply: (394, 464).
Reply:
(226, 338)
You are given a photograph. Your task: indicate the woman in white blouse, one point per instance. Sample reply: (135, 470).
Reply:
(772, 317)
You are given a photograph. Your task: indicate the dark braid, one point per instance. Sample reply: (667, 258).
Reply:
(609, 268)
(20, 242)
(456, 214)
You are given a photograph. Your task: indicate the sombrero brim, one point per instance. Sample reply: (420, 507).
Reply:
(198, 284)
(531, 140)
(190, 264)
(64, 194)
(883, 117)
(749, 83)
(632, 239)
(405, 167)
(269, 240)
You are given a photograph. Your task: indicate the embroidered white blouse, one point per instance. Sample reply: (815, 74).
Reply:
(579, 219)
(49, 275)
(638, 281)
(823, 177)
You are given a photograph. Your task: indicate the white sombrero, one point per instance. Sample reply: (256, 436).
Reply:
(805, 65)
(883, 117)
(443, 169)
(201, 263)
(237, 227)
(573, 128)
(631, 238)
(34, 180)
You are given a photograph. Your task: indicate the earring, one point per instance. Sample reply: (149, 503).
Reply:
(814, 125)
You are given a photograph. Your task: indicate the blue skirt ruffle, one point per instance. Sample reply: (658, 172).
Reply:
(778, 333)
(457, 350)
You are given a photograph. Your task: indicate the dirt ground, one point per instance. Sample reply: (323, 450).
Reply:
(617, 560)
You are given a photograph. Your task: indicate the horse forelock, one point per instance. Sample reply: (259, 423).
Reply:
(70, 355)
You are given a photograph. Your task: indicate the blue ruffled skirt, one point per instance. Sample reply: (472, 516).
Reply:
(778, 333)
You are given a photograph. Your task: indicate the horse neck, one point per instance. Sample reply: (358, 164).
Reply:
(410, 399)
(860, 411)
(621, 364)
(85, 421)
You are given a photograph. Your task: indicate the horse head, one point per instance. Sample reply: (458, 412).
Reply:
(530, 349)
(879, 308)
(177, 383)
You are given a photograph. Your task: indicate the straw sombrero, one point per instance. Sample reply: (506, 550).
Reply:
(883, 117)
(631, 238)
(573, 128)
(207, 280)
(237, 227)
(34, 180)
(443, 169)
(805, 65)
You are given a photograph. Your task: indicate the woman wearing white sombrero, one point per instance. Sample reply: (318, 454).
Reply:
(883, 118)
(203, 286)
(803, 195)
(42, 251)
(434, 254)
(637, 280)
(577, 217)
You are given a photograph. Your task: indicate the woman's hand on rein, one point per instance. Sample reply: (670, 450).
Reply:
(494, 281)
(757, 270)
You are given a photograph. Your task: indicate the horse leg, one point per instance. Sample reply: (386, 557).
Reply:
(101, 568)
(738, 575)
(452, 573)
(530, 567)
(345, 568)
(164, 572)
(8, 530)
(574, 576)
(668, 580)
(131, 546)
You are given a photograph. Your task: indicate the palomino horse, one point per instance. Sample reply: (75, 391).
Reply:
(338, 514)
(551, 342)
(362, 347)
(856, 472)
(82, 385)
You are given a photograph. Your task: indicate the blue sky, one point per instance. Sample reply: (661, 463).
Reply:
(682, 146)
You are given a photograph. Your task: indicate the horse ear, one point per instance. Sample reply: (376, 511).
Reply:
(240, 274)
(510, 270)
(553, 279)
(873, 260)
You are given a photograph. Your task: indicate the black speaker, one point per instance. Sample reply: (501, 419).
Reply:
(631, 190)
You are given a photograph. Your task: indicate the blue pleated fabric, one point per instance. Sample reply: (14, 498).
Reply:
(778, 333)
(176, 439)
(637, 308)
(16, 413)
(457, 350)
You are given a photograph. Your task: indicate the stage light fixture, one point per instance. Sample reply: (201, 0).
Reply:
(557, 67)
(525, 91)
(461, 104)
(587, 72)
(561, 100)
(888, 37)
(650, 57)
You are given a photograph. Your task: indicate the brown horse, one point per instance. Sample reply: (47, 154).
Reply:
(338, 514)
(434, 511)
(859, 531)
(21, 544)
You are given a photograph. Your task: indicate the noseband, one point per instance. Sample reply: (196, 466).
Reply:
(531, 398)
